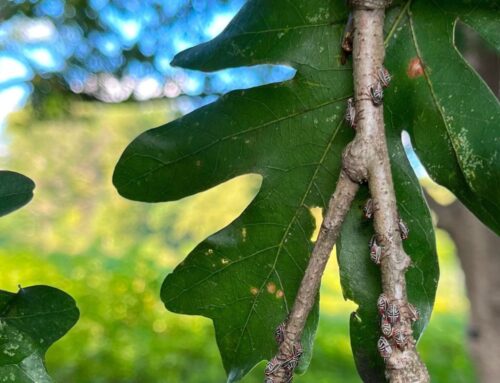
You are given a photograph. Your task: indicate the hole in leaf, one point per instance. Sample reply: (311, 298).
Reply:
(412, 156)
(439, 193)
(317, 214)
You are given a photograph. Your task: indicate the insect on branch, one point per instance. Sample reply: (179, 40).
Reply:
(365, 159)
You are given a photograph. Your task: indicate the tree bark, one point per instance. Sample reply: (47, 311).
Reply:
(478, 250)
(365, 159)
(369, 148)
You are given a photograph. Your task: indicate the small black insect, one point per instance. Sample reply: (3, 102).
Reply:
(293, 360)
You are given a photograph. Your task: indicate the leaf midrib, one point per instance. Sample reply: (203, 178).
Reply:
(435, 100)
(285, 234)
(441, 112)
(7, 318)
(279, 246)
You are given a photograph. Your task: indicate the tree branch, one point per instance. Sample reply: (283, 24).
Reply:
(403, 363)
(280, 368)
(366, 158)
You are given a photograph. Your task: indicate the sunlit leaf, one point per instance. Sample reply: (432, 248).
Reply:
(450, 113)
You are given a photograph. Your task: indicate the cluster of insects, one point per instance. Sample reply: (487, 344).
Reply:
(376, 250)
(289, 363)
(394, 332)
(391, 326)
(376, 95)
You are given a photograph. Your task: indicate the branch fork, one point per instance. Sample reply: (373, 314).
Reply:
(365, 159)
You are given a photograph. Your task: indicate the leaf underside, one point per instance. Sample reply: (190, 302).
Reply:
(31, 320)
(16, 191)
(246, 276)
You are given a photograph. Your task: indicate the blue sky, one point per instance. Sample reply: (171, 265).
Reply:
(54, 42)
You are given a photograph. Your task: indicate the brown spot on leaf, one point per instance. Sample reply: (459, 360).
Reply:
(415, 68)
(271, 288)
(254, 290)
(279, 294)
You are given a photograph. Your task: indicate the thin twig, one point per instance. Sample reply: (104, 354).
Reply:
(280, 370)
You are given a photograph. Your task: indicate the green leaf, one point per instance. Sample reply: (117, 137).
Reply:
(292, 134)
(450, 113)
(485, 22)
(31, 320)
(16, 191)
(246, 276)
(360, 278)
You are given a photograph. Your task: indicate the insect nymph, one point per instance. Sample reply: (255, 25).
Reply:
(375, 250)
(293, 360)
(401, 338)
(273, 365)
(377, 93)
(384, 348)
(279, 333)
(382, 303)
(350, 113)
(403, 229)
(384, 77)
(386, 328)
(368, 208)
(393, 313)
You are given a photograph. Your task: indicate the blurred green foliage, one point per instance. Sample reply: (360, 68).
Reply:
(111, 255)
